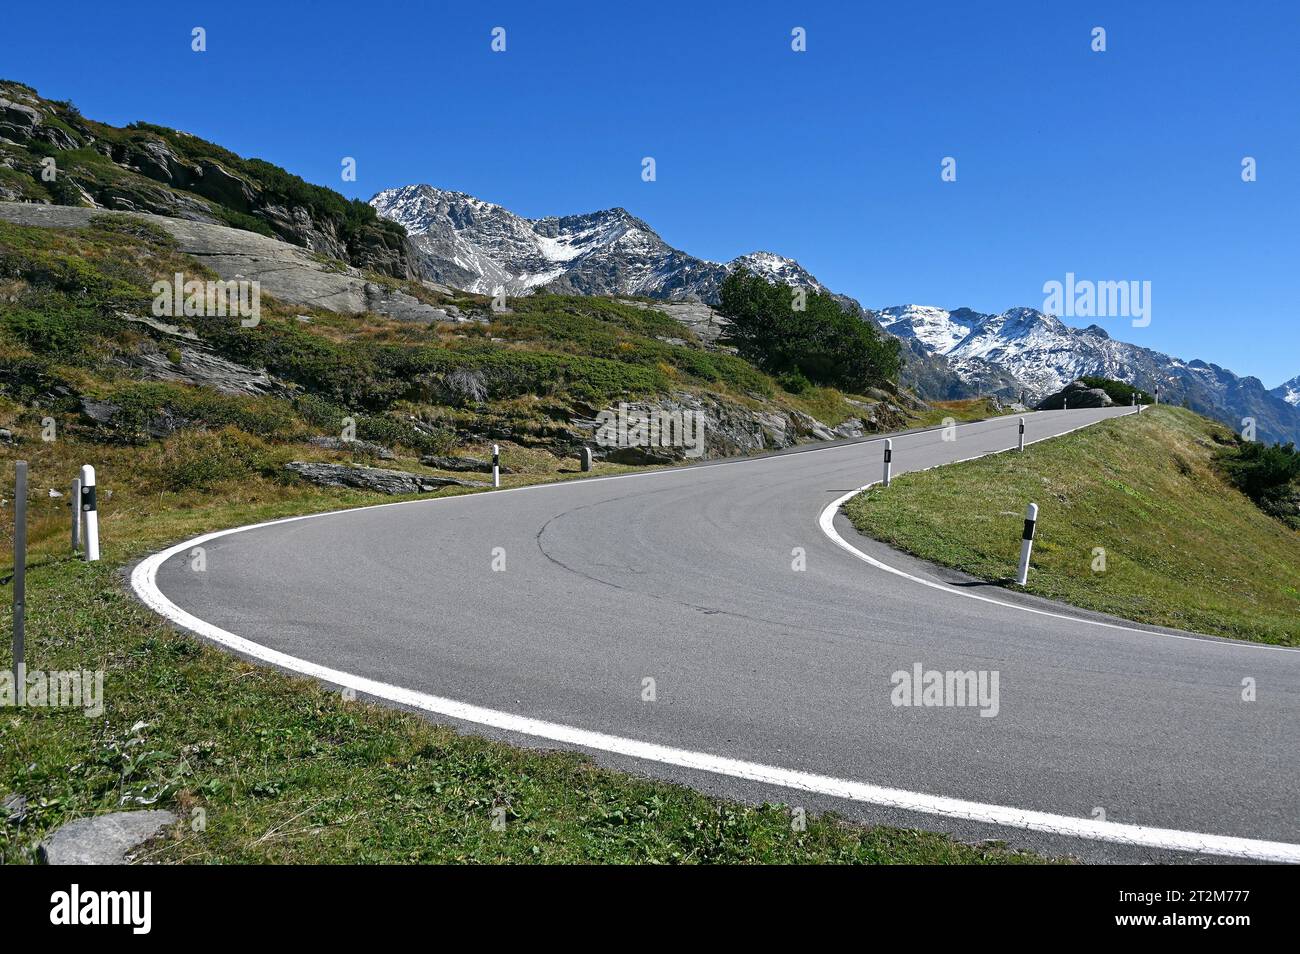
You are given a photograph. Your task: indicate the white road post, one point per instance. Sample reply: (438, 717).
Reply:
(1021, 446)
(1157, 393)
(586, 458)
(889, 459)
(90, 511)
(496, 466)
(1027, 543)
(74, 505)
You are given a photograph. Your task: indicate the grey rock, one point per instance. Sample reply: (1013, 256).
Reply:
(1076, 394)
(99, 412)
(6, 435)
(461, 464)
(104, 839)
(286, 272)
(850, 428)
(373, 478)
(200, 367)
(14, 807)
(729, 429)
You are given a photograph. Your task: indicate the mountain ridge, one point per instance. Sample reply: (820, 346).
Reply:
(470, 243)
(1045, 354)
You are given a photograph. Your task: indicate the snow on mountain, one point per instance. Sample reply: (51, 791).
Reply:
(480, 247)
(1289, 391)
(1043, 354)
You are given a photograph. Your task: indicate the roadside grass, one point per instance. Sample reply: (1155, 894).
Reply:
(1182, 548)
(967, 409)
(264, 767)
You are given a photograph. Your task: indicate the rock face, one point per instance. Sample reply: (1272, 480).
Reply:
(189, 361)
(1076, 394)
(727, 429)
(373, 478)
(162, 171)
(285, 271)
(104, 839)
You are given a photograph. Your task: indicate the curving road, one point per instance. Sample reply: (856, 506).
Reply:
(768, 679)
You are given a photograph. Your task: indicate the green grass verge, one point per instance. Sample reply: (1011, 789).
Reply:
(968, 409)
(1182, 547)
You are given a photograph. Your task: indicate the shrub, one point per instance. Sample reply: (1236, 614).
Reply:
(822, 342)
(201, 460)
(794, 381)
(1120, 392)
(1267, 474)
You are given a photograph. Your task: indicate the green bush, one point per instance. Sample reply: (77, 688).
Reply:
(201, 460)
(1267, 474)
(795, 382)
(146, 405)
(822, 342)
(1119, 391)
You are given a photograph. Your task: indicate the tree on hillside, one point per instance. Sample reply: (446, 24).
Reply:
(822, 342)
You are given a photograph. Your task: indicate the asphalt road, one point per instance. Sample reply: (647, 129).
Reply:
(686, 577)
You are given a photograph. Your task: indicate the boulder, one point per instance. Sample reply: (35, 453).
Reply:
(1076, 394)
(103, 839)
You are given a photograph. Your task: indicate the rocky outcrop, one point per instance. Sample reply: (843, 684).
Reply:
(284, 271)
(183, 358)
(377, 479)
(728, 429)
(165, 172)
(1076, 394)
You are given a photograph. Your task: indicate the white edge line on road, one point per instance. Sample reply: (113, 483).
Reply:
(144, 582)
(827, 523)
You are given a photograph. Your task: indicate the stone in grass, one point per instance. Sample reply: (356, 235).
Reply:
(374, 478)
(104, 839)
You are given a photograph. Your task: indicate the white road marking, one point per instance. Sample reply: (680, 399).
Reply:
(144, 580)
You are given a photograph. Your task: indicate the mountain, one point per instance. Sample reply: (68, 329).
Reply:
(465, 242)
(147, 168)
(479, 246)
(1045, 354)
(1288, 391)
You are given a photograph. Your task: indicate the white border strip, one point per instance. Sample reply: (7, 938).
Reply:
(144, 582)
(827, 523)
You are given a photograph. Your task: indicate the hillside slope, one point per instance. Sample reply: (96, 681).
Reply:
(1181, 547)
(148, 168)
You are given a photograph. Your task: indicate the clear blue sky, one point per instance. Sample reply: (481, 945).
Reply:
(1117, 165)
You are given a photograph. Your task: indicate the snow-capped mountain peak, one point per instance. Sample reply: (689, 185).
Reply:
(1289, 391)
(479, 246)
